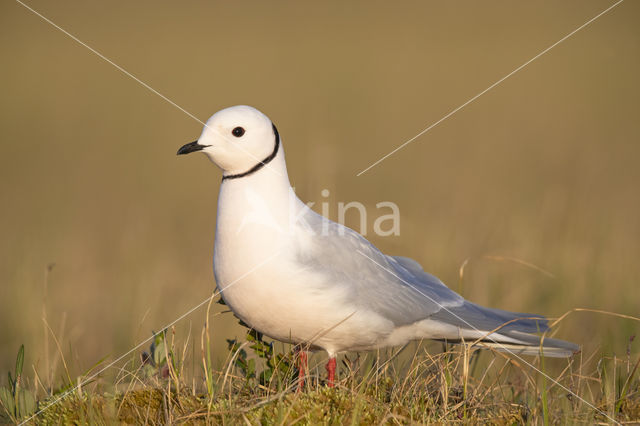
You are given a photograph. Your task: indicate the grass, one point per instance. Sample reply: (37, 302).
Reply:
(542, 168)
(423, 382)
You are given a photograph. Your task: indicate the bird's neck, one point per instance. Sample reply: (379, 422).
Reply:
(257, 203)
(271, 180)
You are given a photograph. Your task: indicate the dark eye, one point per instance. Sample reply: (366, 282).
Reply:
(237, 132)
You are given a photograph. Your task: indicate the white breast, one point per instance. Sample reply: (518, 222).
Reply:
(256, 269)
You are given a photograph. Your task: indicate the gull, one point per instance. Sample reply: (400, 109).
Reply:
(301, 278)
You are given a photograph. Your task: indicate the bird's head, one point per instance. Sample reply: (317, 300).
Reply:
(236, 139)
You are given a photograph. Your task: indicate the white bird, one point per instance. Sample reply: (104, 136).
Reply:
(298, 277)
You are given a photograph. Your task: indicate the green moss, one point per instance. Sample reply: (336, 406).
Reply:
(426, 389)
(320, 406)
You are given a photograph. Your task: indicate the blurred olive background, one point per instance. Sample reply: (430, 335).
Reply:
(543, 168)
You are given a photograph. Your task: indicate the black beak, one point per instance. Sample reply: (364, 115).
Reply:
(191, 147)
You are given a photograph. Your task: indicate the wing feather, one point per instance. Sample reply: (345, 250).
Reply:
(395, 287)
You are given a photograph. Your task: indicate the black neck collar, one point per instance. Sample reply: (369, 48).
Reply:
(263, 162)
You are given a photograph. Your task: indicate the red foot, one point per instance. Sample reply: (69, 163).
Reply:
(331, 369)
(302, 369)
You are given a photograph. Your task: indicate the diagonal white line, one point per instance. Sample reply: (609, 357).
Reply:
(488, 336)
(139, 345)
(142, 83)
(124, 71)
(489, 88)
(118, 67)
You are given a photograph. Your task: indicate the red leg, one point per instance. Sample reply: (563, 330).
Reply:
(302, 369)
(331, 369)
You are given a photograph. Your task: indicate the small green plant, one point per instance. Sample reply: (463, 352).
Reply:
(155, 362)
(17, 401)
(278, 367)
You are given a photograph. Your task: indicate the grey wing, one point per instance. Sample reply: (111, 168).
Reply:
(397, 287)
(471, 316)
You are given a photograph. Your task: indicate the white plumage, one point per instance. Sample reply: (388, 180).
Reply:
(296, 276)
